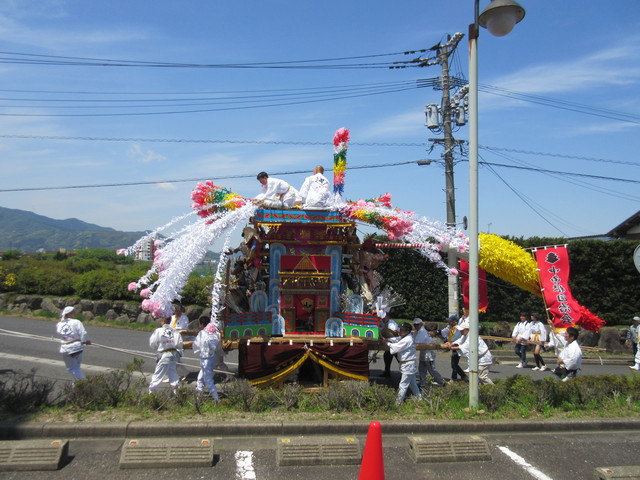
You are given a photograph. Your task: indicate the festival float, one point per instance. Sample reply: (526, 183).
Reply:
(305, 297)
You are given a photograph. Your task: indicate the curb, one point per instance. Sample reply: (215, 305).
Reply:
(30, 431)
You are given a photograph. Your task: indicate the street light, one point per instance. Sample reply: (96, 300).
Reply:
(499, 18)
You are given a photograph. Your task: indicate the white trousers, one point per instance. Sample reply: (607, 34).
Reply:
(73, 362)
(408, 380)
(166, 366)
(205, 377)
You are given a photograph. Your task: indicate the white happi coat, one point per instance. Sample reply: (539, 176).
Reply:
(277, 190)
(405, 348)
(316, 192)
(206, 344)
(165, 339)
(484, 355)
(522, 330)
(73, 335)
(571, 356)
(181, 323)
(537, 332)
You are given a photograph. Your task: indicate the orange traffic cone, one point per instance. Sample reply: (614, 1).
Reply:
(372, 466)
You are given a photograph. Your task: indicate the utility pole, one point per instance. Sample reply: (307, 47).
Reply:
(439, 119)
(452, 259)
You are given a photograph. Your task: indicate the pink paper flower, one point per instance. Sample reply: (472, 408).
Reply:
(132, 286)
(146, 293)
(121, 251)
(146, 305)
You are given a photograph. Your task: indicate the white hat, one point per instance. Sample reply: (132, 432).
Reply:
(66, 311)
(636, 319)
(462, 325)
(417, 320)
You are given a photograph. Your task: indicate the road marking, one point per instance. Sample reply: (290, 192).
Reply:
(244, 465)
(524, 464)
(58, 363)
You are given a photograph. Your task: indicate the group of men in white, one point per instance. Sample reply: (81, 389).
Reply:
(315, 193)
(531, 331)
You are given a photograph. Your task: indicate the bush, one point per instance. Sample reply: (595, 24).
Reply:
(102, 284)
(44, 278)
(25, 392)
(240, 392)
(114, 388)
(197, 290)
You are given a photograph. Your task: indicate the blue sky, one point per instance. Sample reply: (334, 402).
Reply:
(584, 53)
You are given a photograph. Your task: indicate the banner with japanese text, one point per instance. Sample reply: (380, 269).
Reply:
(553, 264)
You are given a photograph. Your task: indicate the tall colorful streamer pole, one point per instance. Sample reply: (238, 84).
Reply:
(340, 140)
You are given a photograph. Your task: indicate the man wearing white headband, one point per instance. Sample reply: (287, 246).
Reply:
(73, 338)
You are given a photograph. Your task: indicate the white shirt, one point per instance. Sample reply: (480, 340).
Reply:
(484, 355)
(422, 336)
(279, 190)
(73, 335)
(181, 323)
(521, 331)
(571, 356)
(406, 350)
(206, 344)
(165, 338)
(316, 192)
(537, 331)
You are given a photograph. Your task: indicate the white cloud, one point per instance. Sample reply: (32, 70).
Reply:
(169, 187)
(395, 125)
(143, 155)
(614, 66)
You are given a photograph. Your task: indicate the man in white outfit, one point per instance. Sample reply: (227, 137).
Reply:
(426, 358)
(404, 347)
(206, 345)
(276, 193)
(73, 338)
(179, 320)
(167, 343)
(570, 358)
(485, 359)
(521, 333)
(316, 190)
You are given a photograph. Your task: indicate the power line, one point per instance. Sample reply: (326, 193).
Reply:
(323, 63)
(294, 172)
(199, 179)
(295, 142)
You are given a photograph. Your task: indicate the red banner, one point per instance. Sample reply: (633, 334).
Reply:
(553, 263)
(483, 301)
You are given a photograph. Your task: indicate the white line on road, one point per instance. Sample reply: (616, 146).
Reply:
(49, 361)
(244, 465)
(524, 464)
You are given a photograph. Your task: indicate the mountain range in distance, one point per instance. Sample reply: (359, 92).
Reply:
(29, 232)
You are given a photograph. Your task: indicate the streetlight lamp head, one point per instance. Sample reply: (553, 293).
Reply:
(500, 16)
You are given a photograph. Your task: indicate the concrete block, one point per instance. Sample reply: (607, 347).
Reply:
(454, 448)
(23, 455)
(303, 451)
(167, 452)
(607, 473)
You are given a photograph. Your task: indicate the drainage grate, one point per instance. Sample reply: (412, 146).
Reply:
(168, 452)
(448, 449)
(318, 451)
(25, 455)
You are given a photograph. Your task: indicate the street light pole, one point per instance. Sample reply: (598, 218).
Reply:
(473, 209)
(499, 17)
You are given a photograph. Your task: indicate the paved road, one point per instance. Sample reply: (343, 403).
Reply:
(551, 456)
(20, 353)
